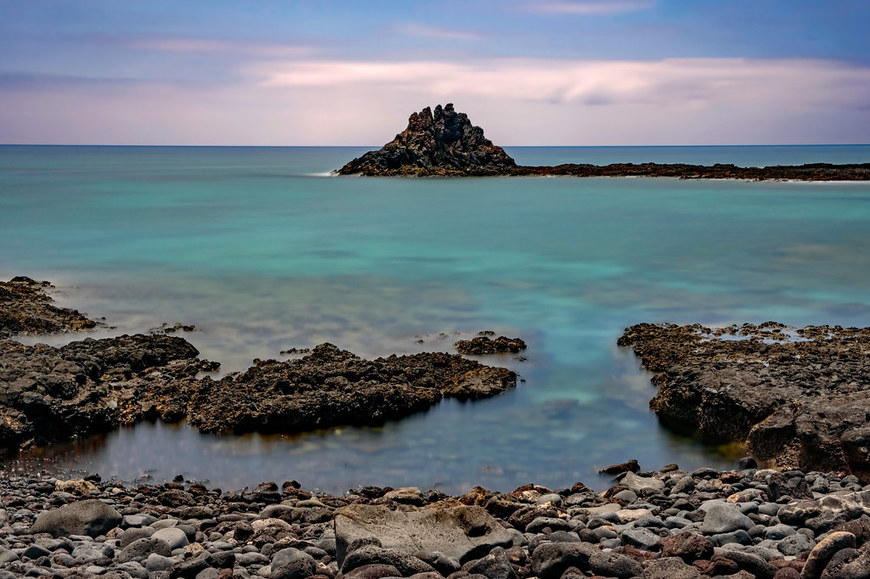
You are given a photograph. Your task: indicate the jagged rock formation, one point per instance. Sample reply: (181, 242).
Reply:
(798, 398)
(53, 394)
(445, 143)
(440, 143)
(26, 308)
(50, 394)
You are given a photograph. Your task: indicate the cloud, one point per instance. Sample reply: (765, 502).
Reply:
(588, 8)
(213, 45)
(518, 102)
(422, 30)
(664, 83)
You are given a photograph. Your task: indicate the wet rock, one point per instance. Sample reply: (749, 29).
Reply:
(482, 345)
(630, 466)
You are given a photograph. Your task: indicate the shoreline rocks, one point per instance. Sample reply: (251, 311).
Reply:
(482, 345)
(658, 525)
(798, 397)
(50, 394)
(55, 394)
(26, 308)
(446, 144)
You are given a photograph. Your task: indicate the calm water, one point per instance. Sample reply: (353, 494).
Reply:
(262, 251)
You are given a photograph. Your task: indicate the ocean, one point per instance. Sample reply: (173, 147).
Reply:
(263, 250)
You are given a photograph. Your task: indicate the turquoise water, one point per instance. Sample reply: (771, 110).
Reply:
(262, 250)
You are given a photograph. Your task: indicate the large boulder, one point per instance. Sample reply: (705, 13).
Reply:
(90, 517)
(462, 533)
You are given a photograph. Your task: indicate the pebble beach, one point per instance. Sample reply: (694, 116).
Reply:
(662, 524)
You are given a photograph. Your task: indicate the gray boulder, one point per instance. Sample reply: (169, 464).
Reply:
(724, 518)
(463, 533)
(292, 563)
(550, 560)
(91, 517)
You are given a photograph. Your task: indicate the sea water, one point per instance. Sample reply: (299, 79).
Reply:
(263, 250)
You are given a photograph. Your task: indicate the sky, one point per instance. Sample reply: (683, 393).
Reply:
(336, 72)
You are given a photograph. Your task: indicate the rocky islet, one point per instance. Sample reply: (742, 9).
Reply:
(444, 143)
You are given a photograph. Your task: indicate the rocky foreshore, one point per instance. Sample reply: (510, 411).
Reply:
(26, 308)
(798, 397)
(666, 524)
(444, 143)
(53, 394)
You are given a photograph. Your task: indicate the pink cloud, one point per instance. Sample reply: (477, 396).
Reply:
(517, 101)
(588, 8)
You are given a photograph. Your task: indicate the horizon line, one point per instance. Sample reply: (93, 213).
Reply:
(380, 146)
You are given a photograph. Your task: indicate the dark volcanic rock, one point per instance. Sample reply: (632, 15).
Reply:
(25, 308)
(330, 387)
(447, 144)
(50, 394)
(798, 397)
(91, 517)
(443, 143)
(484, 345)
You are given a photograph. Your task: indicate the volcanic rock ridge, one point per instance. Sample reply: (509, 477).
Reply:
(444, 143)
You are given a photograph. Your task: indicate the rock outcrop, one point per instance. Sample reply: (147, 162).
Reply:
(484, 345)
(26, 308)
(445, 143)
(442, 143)
(330, 386)
(798, 398)
(54, 394)
(50, 394)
